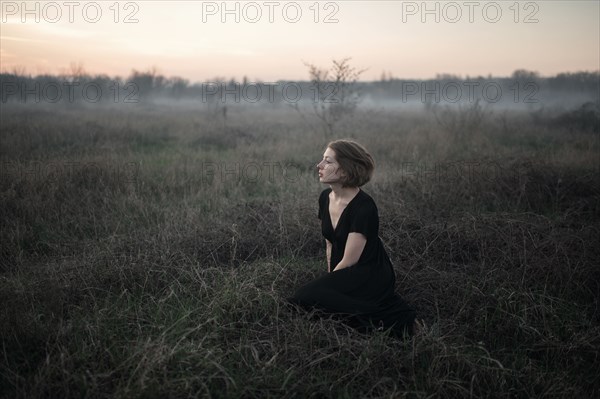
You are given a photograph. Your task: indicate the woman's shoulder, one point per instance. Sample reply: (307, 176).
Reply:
(365, 197)
(365, 201)
(324, 193)
(323, 197)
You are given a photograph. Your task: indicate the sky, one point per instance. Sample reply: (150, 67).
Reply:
(274, 40)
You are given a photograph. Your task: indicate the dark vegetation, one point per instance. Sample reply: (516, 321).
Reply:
(147, 249)
(337, 85)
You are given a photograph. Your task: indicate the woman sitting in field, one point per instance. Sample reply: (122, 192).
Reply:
(361, 280)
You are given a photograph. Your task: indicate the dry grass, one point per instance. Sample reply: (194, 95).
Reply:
(142, 256)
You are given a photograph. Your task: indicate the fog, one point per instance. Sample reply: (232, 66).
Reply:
(568, 100)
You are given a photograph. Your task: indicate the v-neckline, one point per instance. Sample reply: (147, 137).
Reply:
(343, 211)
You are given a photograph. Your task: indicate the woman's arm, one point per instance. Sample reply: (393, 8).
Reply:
(328, 251)
(354, 247)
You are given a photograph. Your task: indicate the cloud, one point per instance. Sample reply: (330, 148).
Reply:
(23, 39)
(65, 31)
(178, 49)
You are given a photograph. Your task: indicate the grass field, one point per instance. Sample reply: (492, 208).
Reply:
(147, 251)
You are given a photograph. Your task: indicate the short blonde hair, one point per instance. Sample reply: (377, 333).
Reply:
(355, 160)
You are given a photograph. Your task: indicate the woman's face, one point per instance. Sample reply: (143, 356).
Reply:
(329, 169)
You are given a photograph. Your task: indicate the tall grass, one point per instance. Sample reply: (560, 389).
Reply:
(147, 253)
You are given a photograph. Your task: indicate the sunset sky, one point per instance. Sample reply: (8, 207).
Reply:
(189, 38)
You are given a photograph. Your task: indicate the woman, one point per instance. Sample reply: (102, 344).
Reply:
(361, 279)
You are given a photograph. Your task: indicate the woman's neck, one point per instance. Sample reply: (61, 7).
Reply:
(343, 193)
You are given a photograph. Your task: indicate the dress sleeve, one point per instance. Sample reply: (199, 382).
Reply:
(365, 219)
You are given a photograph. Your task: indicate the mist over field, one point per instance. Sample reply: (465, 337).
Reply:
(150, 233)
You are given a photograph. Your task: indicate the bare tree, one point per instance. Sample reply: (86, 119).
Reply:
(335, 95)
(19, 70)
(76, 72)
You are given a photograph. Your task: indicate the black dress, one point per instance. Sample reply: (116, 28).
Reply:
(364, 292)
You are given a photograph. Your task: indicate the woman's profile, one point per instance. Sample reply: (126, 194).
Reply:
(361, 279)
